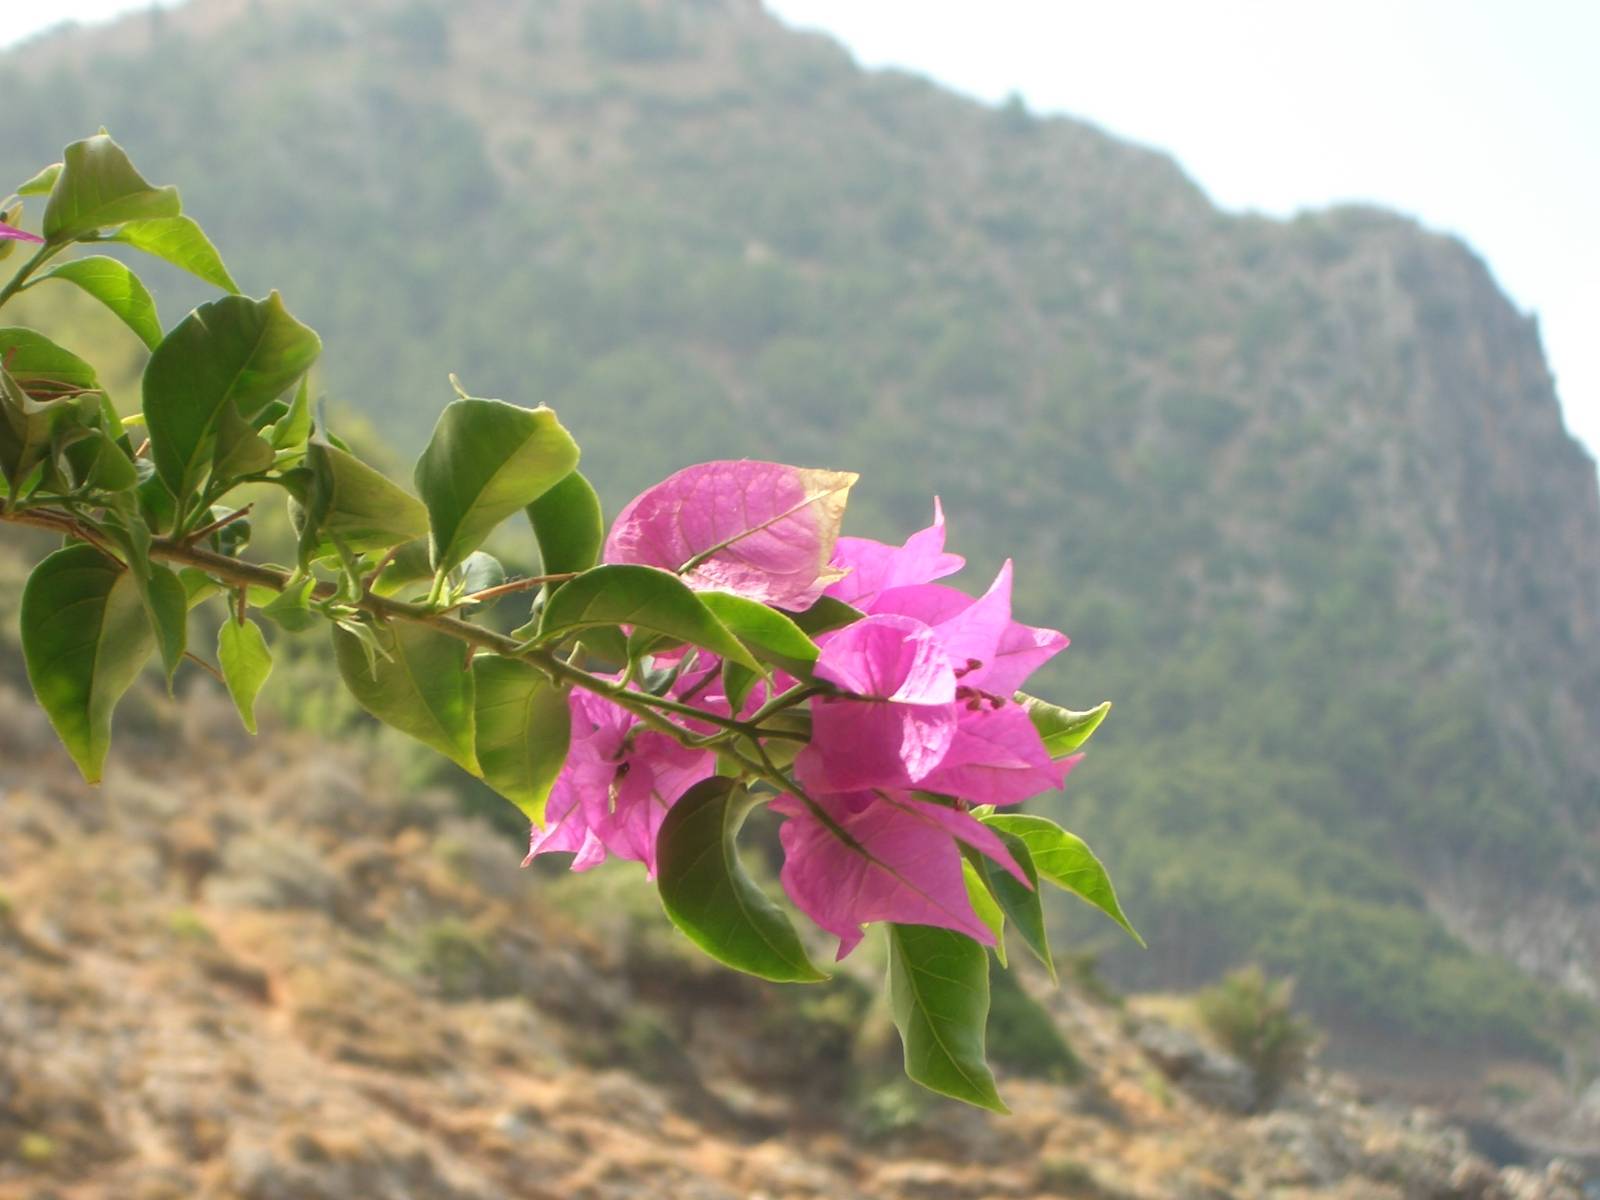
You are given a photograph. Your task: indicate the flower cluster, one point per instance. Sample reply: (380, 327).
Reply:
(913, 719)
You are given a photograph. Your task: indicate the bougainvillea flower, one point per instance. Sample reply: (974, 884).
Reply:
(996, 757)
(902, 863)
(994, 653)
(12, 233)
(758, 529)
(614, 791)
(874, 566)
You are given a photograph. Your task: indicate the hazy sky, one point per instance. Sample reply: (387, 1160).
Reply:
(1479, 117)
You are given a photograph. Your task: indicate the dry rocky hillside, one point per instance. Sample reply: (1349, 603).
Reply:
(223, 977)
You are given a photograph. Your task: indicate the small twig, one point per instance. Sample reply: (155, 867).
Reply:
(383, 563)
(207, 667)
(144, 447)
(237, 514)
(516, 585)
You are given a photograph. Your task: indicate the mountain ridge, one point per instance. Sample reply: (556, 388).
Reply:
(1299, 490)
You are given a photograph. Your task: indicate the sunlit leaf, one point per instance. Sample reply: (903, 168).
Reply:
(246, 662)
(417, 681)
(181, 242)
(939, 996)
(522, 729)
(97, 187)
(569, 525)
(645, 598)
(486, 460)
(1062, 729)
(234, 351)
(116, 287)
(1065, 860)
(85, 637)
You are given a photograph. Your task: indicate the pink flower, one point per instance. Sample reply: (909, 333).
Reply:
(874, 567)
(616, 787)
(929, 677)
(901, 862)
(12, 233)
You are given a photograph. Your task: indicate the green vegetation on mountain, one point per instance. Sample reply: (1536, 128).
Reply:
(1317, 527)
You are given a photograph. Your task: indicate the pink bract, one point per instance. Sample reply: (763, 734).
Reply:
(758, 529)
(902, 863)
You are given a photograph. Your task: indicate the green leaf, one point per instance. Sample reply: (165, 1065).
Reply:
(118, 288)
(1062, 729)
(291, 608)
(486, 460)
(231, 351)
(939, 995)
(1022, 905)
(41, 183)
(645, 597)
(523, 726)
(569, 525)
(246, 662)
(478, 572)
(85, 637)
(290, 431)
(418, 682)
(736, 684)
(166, 603)
(98, 187)
(44, 369)
(825, 615)
(97, 461)
(181, 242)
(771, 635)
(351, 501)
(984, 903)
(707, 894)
(239, 449)
(1066, 861)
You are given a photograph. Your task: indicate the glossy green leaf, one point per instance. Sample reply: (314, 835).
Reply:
(1023, 906)
(771, 635)
(417, 682)
(569, 525)
(234, 351)
(41, 183)
(644, 597)
(939, 996)
(1065, 860)
(523, 726)
(181, 242)
(97, 187)
(984, 903)
(708, 895)
(85, 637)
(118, 288)
(351, 501)
(486, 460)
(291, 608)
(1062, 729)
(246, 662)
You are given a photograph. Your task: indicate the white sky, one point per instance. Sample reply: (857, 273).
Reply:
(1480, 117)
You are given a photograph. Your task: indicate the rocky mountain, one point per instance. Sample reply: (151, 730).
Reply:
(284, 973)
(1300, 491)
